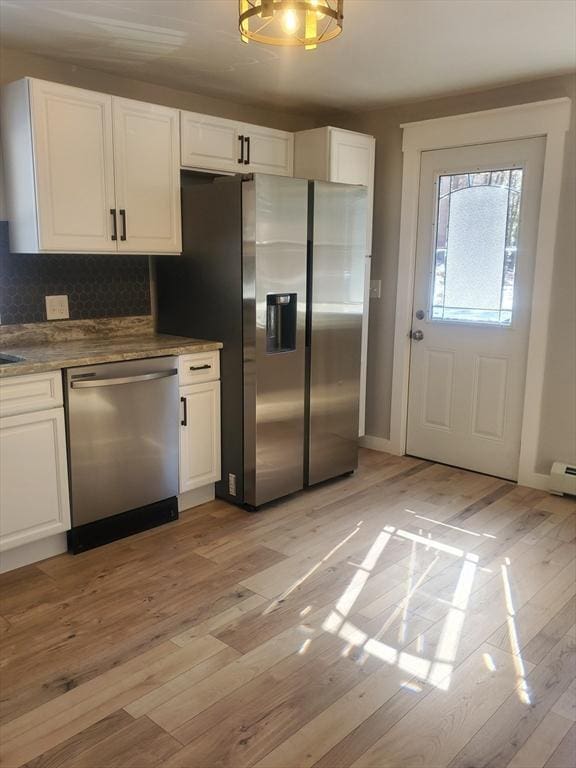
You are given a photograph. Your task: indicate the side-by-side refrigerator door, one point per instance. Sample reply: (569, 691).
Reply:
(336, 294)
(275, 217)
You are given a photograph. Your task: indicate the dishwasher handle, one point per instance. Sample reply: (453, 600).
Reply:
(85, 383)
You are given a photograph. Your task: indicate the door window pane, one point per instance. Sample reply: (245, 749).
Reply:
(476, 244)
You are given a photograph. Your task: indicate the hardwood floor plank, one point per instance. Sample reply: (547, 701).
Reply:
(364, 736)
(541, 743)
(326, 668)
(555, 596)
(551, 633)
(48, 725)
(443, 722)
(39, 671)
(311, 742)
(270, 712)
(182, 682)
(220, 620)
(494, 745)
(186, 705)
(142, 744)
(80, 742)
(566, 704)
(563, 756)
(317, 632)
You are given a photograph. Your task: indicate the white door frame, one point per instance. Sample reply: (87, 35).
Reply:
(543, 118)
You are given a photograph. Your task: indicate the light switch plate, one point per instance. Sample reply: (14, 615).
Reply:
(57, 308)
(375, 289)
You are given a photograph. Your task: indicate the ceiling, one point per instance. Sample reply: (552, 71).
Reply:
(391, 50)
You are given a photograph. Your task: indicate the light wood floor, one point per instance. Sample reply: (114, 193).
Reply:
(410, 615)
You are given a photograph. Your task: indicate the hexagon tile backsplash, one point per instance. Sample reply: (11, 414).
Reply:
(115, 285)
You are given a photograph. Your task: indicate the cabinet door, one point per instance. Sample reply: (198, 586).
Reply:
(352, 162)
(73, 162)
(268, 150)
(34, 500)
(200, 435)
(147, 173)
(210, 143)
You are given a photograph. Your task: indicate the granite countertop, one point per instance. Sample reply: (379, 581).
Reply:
(51, 355)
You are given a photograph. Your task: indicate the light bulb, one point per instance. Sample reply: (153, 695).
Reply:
(316, 5)
(290, 21)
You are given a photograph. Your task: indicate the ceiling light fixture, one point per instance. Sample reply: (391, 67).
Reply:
(303, 23)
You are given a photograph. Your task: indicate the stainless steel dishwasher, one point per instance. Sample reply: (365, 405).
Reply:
(123, 426)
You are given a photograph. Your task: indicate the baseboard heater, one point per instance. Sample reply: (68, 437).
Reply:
(563, 479)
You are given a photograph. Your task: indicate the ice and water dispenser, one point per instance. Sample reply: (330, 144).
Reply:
(280, 322)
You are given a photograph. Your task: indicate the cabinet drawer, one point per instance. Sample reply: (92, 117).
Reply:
(35, 392)
(201, 366)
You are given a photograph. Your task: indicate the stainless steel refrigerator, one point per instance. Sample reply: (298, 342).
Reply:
(274, 268)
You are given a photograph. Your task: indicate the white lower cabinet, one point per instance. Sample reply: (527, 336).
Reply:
(199, 435)
(34, 502)
(217, 144)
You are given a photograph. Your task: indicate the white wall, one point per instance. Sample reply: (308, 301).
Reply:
(558, 429)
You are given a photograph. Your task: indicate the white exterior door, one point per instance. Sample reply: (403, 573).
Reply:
(33, 477)
(147, 174)
(73, 161)
(477, 228)
(268, 151)
(200, 435)
(211, 143)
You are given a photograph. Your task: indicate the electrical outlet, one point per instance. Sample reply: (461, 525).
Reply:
(57, 308)
(375, 289)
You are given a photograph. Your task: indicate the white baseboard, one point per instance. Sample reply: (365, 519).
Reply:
(378, 444)
(534, 480)
(33, 552)
(196, 497)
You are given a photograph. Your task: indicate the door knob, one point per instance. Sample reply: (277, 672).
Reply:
(416, 335)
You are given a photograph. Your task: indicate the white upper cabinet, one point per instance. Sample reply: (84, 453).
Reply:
(267, 150)
(217, 144)
(352, 162)
(58, 156)
(210, 142)
(333, 154)
(73, 158)
(74, 168)
(147, 175)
